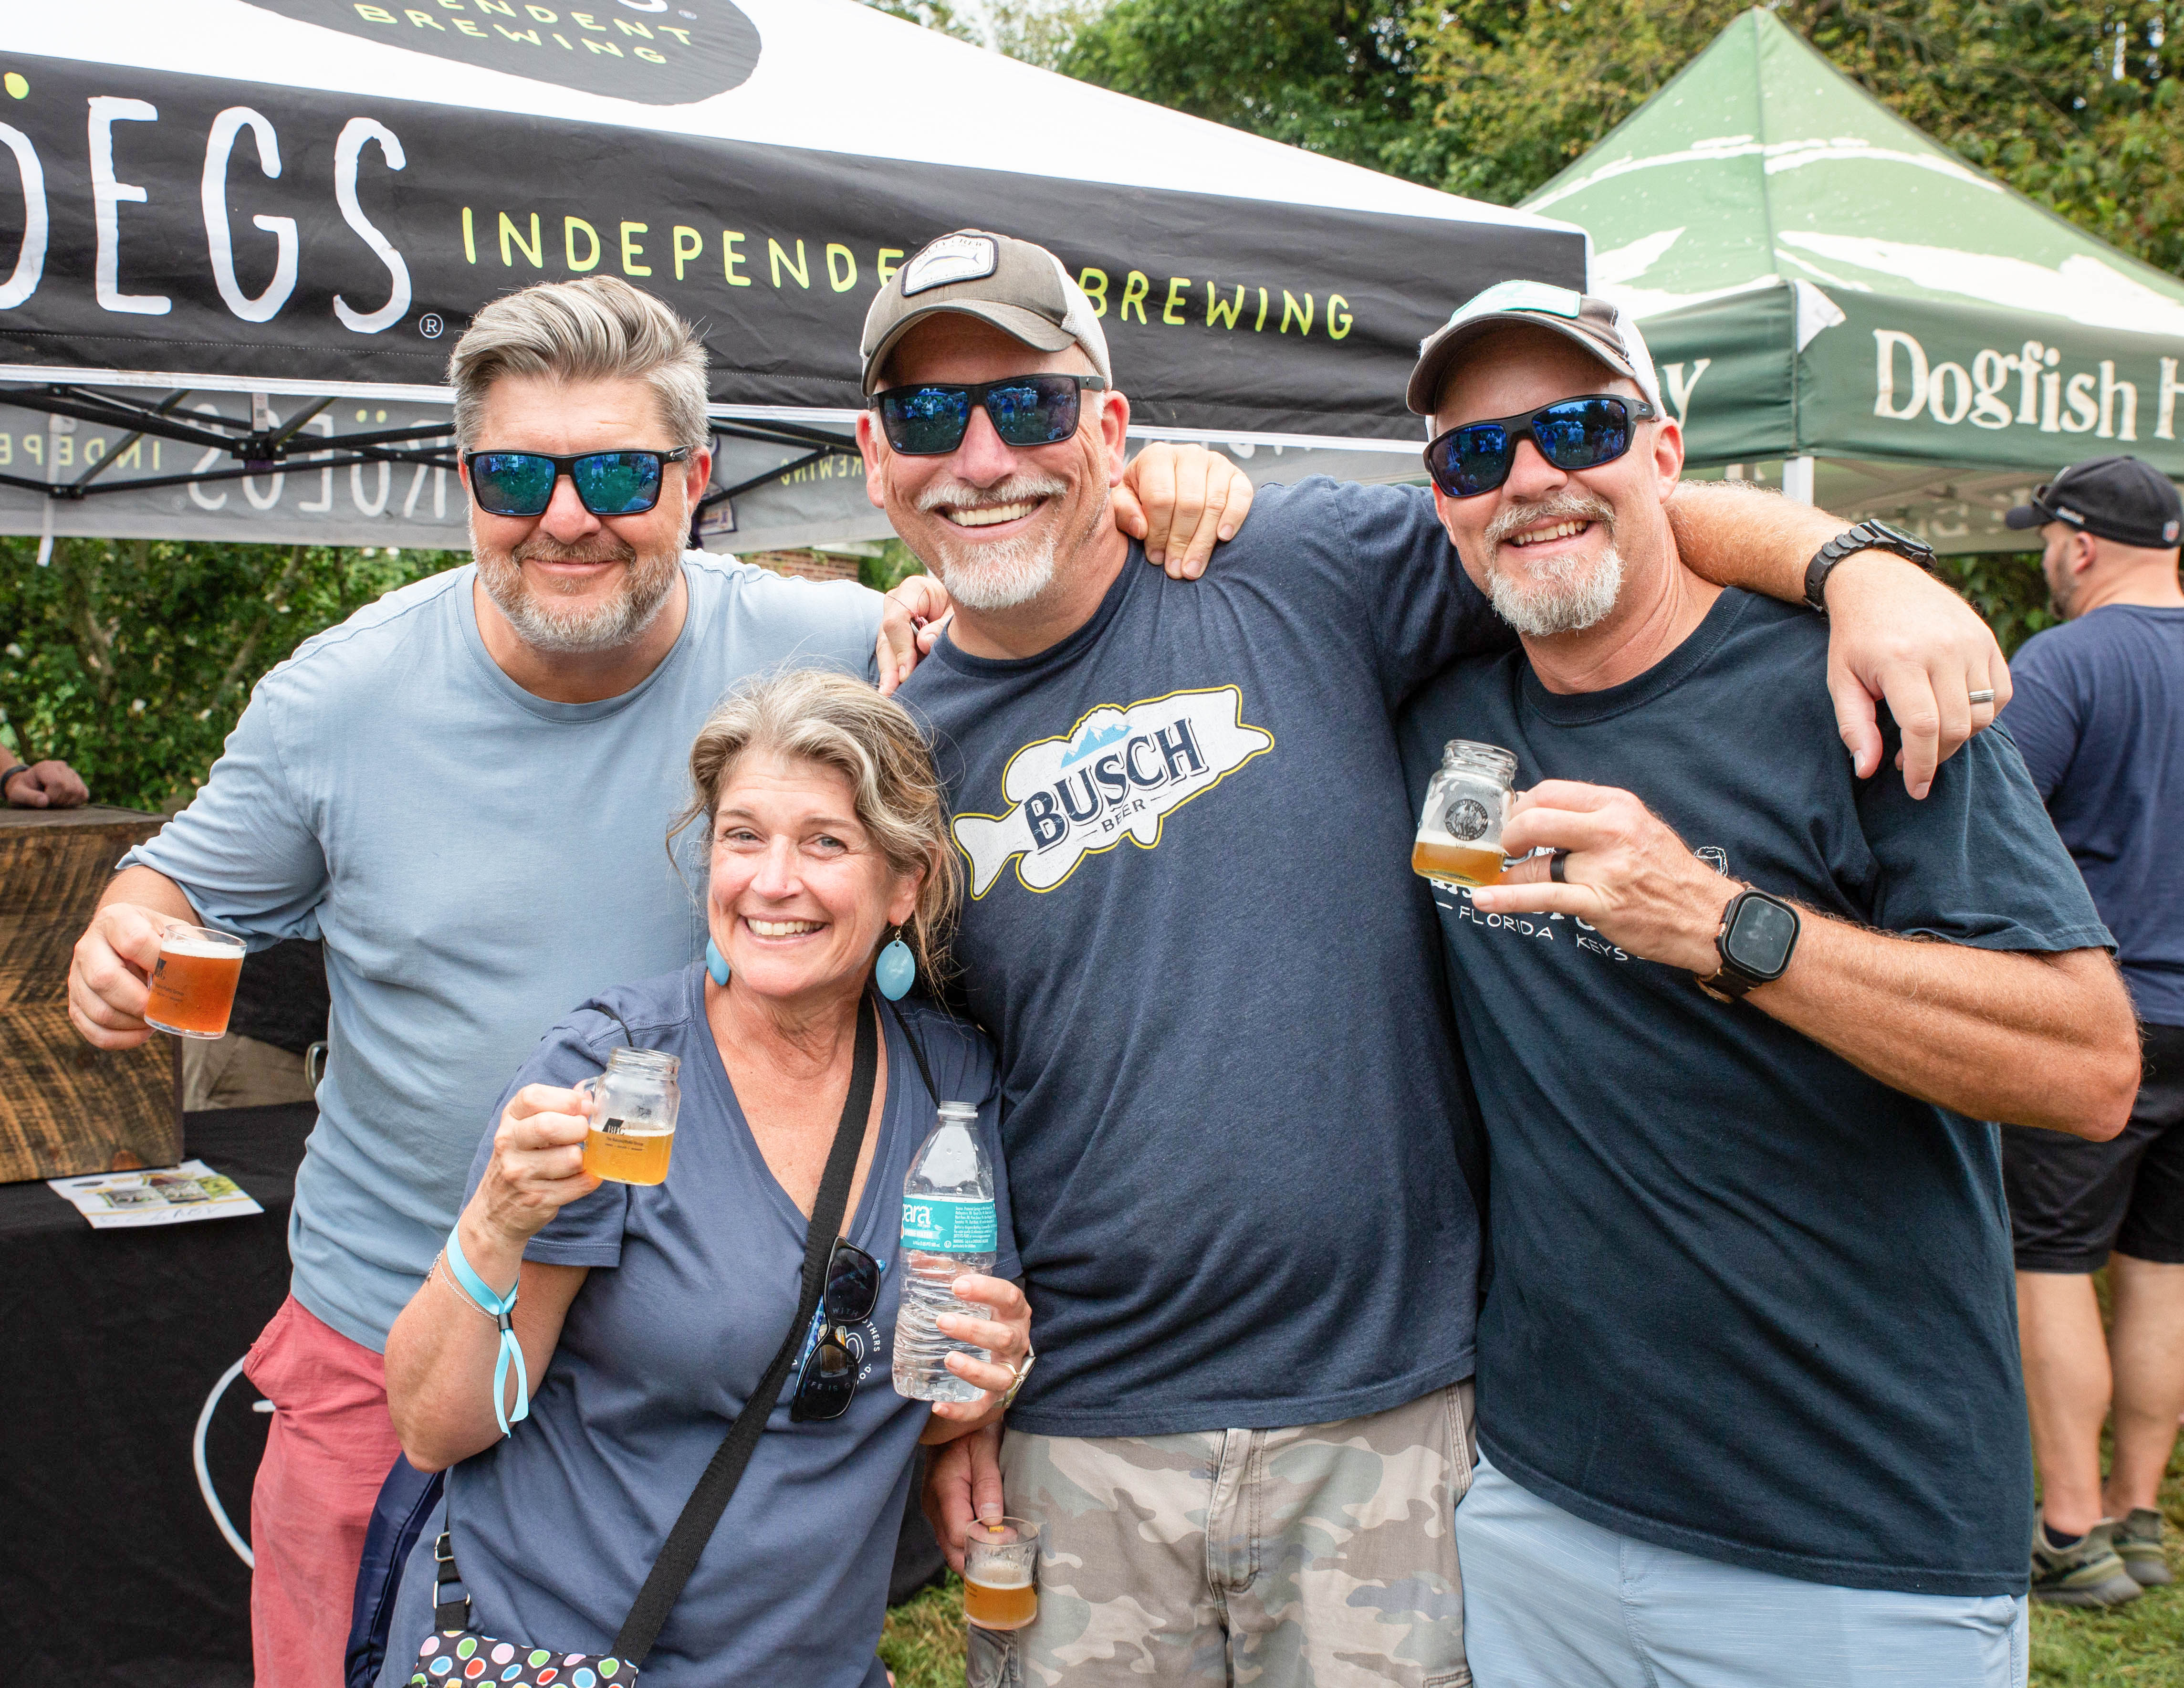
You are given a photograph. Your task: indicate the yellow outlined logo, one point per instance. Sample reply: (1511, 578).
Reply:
(1119, 773)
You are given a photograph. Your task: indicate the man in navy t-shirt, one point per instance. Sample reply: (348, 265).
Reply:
(2099, 715)
(1230, 1090)
(1748, 1384)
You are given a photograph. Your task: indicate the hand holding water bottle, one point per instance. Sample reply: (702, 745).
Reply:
(950, 1348)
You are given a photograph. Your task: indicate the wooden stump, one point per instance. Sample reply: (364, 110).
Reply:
(65, 1107)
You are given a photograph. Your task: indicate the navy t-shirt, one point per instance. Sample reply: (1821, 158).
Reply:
(694, 1283)
(1747, 1301)
(1229, 1083)
(2098, 710)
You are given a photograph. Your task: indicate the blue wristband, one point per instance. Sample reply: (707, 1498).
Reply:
(498, 1308)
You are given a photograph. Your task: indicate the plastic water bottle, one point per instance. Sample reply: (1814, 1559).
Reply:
(947, 1230)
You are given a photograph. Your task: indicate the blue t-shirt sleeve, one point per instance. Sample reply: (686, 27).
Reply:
(1423, 610)
(1977, 861)
(244, 851)
(588, 1231)
(2044, 715)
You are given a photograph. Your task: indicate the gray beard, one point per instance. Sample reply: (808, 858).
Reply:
(1556, 599)
(569, 632)
(997, 576)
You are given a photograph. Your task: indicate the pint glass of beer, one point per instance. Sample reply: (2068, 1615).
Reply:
(635, 1103)
(1459, 842)
(1000, 1573)
(193, 983)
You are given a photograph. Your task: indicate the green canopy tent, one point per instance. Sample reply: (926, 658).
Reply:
(1841, 306)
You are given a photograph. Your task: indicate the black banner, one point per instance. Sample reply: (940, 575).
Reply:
(163, 222)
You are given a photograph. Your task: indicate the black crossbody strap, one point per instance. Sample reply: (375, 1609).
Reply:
(686, 1541)
(917, 1053)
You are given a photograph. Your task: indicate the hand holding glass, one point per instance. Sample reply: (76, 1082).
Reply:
(1000, 1573)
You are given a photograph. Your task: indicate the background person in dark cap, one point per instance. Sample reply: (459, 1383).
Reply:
(2098, 712)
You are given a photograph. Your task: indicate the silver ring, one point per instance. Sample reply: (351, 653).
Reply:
(1554, 860)
(1985, 695)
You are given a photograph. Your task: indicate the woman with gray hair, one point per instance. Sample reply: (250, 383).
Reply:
(646, 1315)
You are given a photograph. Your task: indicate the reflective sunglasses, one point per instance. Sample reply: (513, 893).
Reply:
(1570, 433)
(609, 482)
(1026, 410)
(827, 1381)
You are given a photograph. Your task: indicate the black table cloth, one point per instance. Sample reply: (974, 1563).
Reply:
(111, 1567)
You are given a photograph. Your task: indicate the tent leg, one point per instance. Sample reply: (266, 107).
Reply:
(1797, 480)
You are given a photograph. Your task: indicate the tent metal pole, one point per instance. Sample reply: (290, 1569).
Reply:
(1797, 480)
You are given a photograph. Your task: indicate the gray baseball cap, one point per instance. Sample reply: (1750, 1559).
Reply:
(1597, 324)
(1020, 288)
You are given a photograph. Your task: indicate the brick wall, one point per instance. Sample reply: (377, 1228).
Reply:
(810, 565)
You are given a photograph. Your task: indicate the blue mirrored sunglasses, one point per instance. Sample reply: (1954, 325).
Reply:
(1570, 433)
(608, 482)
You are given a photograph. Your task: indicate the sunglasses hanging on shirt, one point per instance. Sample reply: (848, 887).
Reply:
(608, 482)
(1570, 433)
(930, 420)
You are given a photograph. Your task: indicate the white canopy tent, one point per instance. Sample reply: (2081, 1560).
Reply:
(240, 235)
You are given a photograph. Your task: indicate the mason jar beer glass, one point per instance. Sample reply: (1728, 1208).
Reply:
(1459, 842)
(1000, 1573)
(193, 983)
(633, 1108)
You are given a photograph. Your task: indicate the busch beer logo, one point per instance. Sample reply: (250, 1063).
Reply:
(1117, 774)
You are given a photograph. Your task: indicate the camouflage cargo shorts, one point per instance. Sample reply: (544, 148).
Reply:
(1323, 1557)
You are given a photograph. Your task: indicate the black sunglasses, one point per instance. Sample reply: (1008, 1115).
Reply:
(1570, 433)
(827, 1381)
(1026, 410)
(609, 482)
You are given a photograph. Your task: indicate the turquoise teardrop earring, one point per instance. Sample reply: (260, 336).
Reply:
(897, 970)
(717, 964)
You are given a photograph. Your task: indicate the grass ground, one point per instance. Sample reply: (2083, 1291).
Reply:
(2137, 1646)
(924, 1642)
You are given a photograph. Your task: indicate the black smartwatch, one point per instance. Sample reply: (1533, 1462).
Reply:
(1758, 935)
(1867, 536)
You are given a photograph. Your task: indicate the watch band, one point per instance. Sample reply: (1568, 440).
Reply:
(8, 776)
(1866, 535)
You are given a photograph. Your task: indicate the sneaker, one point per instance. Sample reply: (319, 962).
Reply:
(2137, 1541)
(2087, 1573)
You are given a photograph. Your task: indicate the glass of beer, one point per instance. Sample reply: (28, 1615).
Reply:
(193, 983)
(1000, 1573)
(1459, 842)
(633, 1108)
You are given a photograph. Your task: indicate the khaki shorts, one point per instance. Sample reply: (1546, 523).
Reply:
(1325, 1555)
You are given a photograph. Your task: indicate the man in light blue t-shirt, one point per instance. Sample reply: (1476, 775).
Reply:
(466, 791)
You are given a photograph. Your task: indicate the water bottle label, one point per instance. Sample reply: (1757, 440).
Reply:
(948, 1224)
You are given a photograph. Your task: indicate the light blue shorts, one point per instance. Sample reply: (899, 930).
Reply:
(1552, 1602)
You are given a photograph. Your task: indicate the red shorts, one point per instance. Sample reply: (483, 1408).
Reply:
(328, 1452)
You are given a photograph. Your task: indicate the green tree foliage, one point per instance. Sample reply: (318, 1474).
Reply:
(1332, 76)
(131, 660)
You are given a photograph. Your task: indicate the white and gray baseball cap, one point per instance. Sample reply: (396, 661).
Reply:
(1599, 325)
(1019, 287)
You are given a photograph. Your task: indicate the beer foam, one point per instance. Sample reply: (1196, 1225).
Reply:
(200, 948)
(1000, 1576)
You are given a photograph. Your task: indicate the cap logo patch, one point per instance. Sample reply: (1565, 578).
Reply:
(953, 258)
(2064, 513)
(2169, 532)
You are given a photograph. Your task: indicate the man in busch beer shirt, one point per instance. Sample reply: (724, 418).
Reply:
(1231, 1098)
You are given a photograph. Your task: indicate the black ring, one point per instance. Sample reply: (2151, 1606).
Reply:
(1554, 860)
